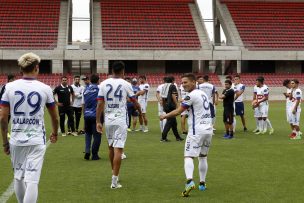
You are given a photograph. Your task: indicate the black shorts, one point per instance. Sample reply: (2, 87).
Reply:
(132, 111)
(228, 116)
(239, 108)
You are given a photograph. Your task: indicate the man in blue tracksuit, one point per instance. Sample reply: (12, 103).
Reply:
(89, 111)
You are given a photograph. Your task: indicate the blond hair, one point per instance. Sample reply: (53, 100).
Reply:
(28, 62)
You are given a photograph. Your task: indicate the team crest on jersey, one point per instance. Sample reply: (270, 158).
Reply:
(265, 90)
(298, 93)
(187, 98)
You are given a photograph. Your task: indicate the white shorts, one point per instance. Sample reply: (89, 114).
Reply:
(160, 110)
(27, 162)
(294, 119)
(193, 148)
(116, 135)
(185, 113)
(261, 111)
(143, 104)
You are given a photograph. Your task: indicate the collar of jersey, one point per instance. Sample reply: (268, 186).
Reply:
(26, 78)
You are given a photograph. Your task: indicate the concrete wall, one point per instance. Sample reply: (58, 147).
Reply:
(288, 67)
(10, 66)
(151, 67)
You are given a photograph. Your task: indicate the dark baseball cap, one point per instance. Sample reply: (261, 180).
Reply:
(85, 78)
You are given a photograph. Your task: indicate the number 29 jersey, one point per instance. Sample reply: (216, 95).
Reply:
(114, 91)
(199, 117)
(27, 99)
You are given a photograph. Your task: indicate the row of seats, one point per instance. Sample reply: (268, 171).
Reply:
(148, 25)
(29, 24)
(269, 24)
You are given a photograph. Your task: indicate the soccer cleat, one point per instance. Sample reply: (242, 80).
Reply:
(292, 135)
(8, 135)
(123, 156)
(129, 130)
(87, 156)
(179, 139)
(202, 187)
(264, 131)
(245, 129)
(271, 131)
(259, 132)
(116, 186)
(190, 186)
(256, 130)
(226, 136)
(75, 134)
(95, 157)
(185, 133)
(137, 130)
(63, 135)
(145, 130)
(164, 140)
(297, 137)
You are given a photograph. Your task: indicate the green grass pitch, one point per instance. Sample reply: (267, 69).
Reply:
(249, 168)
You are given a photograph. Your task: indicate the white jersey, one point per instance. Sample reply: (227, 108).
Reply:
(183, 92)
(114, 91)
(78, 91)
(238, 88)
(199, 120)
(27, 99)
(296, 95)
(208, 88)
(144, 97)
(159, 89)
(261, 92)
(288, 100)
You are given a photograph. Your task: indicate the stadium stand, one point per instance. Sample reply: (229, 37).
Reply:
(268, 25)
(148, 25)
(29, 24)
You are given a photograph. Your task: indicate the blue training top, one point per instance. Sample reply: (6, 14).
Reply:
(135, 90)
(90, 103)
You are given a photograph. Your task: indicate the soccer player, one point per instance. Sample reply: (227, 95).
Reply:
(132, 112)
(239, 89)
(295, 109)
(65, 94)
(228, 100)
(209, 89)
(112, 101)
(184, 115)
(160, 104)
(143, 94)
(200, 133)
(89, 104)
(288, 96)
(261, 105)
(25, 99)
(77, 104)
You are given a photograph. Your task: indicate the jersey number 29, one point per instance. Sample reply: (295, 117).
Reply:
(34, 105)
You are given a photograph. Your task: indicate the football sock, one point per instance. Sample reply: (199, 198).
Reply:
(261, 124)
(234, 123)
(202, 167)
(189, 167)
(268, 123)
(227, 132)
(31, 193)
(231, 133)
(19, 187)
(257, 122)
(114, 179)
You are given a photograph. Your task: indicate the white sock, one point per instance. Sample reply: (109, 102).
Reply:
(213, 121)
(234, 123)
(31, 193)
(19, 187)
(265, 125)
(189, 168)
(268, 123)
(257, 122)
(114, 179)
(260, 125)
(141, 127)
(203, 168)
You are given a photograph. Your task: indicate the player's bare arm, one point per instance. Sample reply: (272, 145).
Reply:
(174, 113)
(99, 112)
(54, 119)
(4, 128)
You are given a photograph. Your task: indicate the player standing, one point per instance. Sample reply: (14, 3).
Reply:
(239, 89)
(199, 135)
(143, 95)
(295, 109)
(77, 104)
(112, 101)
(25, 99)
(184, 115)
(288, 96)
(160, 104)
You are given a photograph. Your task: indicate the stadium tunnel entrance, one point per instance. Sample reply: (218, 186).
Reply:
(79, 67)
(11, 67)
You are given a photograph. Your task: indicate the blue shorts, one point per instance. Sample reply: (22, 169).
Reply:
(212, 112)
(239, 108)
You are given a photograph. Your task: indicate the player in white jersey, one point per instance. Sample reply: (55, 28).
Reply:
(25, 99)
(112, 101)
(239, 89)
(288, 97)
(199, 133)
(77, 104)
(261, 106)
(295, 109)
(184, 115)
(143, 95)
(160, 105)
(209, 89)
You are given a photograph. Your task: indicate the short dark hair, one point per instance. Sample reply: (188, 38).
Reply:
(94, 78)
(142, 77)
(64, 77)
(169, 79)
(237, 76)
(286, 82)
(10, 77)
(190, 76)
(76, 76)
(260, 79)
(295, 81)
(118, 67)
(164, 79)
(200, 76)
(228, 82)
(229, 77)
(206, 77)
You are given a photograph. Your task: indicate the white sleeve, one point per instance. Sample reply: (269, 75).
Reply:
(129, 90)
(50, 102)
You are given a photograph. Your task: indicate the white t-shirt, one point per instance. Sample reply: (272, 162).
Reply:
(238, 88)
(114, 91)
(27, 98)
(144, 97)
(296, 95)
(261, 92)
(208, 88)
(78, 91)
(288, 100)
(199, 117)
(183, 92)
